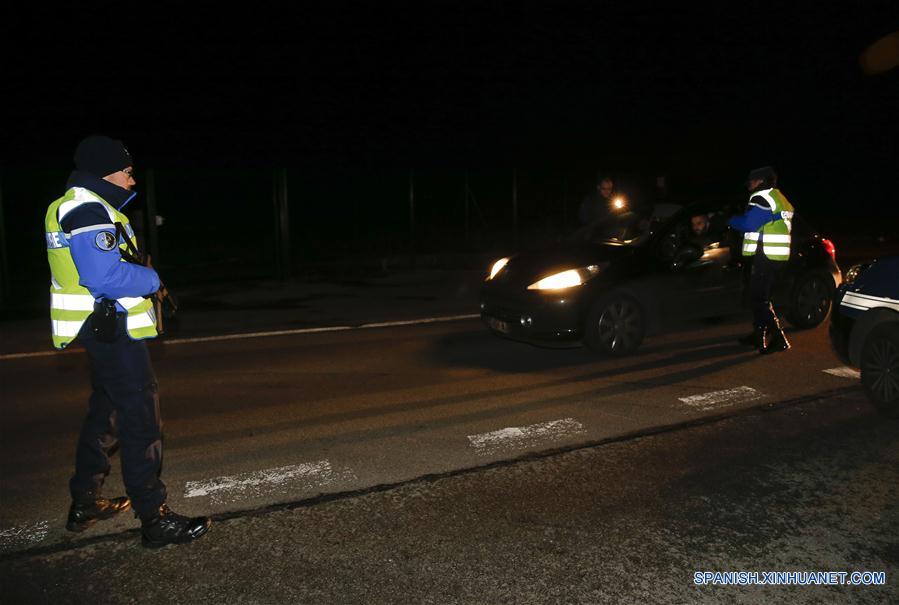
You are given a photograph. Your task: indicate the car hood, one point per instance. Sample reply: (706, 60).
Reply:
(527, 267)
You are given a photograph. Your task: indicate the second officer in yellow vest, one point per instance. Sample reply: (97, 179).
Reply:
(766, 227)
(99, 299)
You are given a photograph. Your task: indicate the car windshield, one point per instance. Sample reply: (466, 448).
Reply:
(626, 229)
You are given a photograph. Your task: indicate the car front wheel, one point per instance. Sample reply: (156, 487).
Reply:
(615, 326)
(880, 368)
(810, 302)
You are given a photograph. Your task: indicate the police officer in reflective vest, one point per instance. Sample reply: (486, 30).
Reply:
(99, 299)
(766, 227)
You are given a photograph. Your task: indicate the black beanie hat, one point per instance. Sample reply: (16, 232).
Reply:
(101, 156)
(765, 174)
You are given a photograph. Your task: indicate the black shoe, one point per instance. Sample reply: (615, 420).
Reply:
(167, 527)
(85, 512)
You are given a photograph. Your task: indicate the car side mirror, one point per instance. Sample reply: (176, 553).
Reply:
(685, 255)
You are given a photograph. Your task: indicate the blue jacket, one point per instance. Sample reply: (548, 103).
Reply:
(757, 214)
(101, 271)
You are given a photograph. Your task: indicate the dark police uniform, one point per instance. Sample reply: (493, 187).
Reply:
(100, 299)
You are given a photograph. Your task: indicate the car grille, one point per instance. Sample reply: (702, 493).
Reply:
(503, 313)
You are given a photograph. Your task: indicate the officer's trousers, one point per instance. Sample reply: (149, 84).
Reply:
(123, 415)
(765, 273)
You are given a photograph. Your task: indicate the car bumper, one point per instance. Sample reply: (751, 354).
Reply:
(840, 328)
(534, 316)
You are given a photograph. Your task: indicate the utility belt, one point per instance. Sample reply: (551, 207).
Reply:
(104, 320)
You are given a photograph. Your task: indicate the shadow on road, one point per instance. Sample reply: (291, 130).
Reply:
(520, 398)
(481, 349)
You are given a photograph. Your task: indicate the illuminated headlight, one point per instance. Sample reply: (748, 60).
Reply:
(854, 272)
(497, 267)
(566, 279)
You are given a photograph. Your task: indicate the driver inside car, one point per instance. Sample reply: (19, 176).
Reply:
(700, 230)
(701, 238)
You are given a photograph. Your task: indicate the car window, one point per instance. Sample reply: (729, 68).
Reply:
(670, 240)
(680, 233)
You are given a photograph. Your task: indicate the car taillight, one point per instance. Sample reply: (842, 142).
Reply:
(830, 248)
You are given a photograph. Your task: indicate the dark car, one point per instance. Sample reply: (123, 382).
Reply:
(864, 328)
(651, 275)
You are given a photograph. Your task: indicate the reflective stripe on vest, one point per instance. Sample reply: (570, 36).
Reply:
(70, 302)
(774, 235)
(750, 242)
(68, 329)
(65, 329)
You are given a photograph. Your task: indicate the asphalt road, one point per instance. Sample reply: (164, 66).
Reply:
(345, 410)
(254, 424)
(809, 487)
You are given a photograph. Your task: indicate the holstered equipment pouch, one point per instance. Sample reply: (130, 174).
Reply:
(103, 321)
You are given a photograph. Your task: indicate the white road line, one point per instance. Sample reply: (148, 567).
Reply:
(413, 322)
(518, 437)
(386, 324)
(721, 399)
(181, 341)
(844, 372)
(294, 478)
(38, 354)
(19, 537)
(184, 341)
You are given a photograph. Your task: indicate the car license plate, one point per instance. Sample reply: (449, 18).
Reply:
(499, 326)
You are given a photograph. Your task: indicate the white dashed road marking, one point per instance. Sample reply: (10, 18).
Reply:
(21, 537)
(291, 479)
(721, 399)
(525, 436)
(844, 372)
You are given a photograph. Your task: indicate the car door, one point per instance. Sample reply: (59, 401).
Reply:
(711, 282)
(707, 275)
(673, 284)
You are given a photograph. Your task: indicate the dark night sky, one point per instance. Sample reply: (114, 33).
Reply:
(693, 90)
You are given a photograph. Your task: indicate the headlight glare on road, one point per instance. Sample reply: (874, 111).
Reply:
(497, 267)
(565, 279)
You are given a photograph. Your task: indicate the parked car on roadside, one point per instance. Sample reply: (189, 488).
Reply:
(864, 328)
(652, 274)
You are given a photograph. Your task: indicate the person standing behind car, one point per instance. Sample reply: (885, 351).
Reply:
(597, 206)
(98, 298)
(766, 227)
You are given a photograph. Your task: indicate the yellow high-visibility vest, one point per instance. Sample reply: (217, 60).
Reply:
(774, 236)
(70, 302)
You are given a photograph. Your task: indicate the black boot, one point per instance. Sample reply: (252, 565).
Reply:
(86, 511)
(168, 527)
(773, 339)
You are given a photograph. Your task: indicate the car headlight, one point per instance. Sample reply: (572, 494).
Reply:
(855, 272)
(566, 279)
(497, 267)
